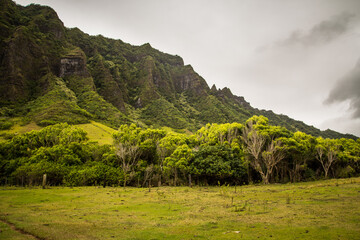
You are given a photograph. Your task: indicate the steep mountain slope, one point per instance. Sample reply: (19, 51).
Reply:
(52, 74)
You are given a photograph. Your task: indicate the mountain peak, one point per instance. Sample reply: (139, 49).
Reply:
(107, 80)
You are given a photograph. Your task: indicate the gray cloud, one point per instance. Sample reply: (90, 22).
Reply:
(323, 32)
(348, 88)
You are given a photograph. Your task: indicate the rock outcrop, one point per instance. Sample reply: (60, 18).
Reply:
(73, 64)
(187, 80)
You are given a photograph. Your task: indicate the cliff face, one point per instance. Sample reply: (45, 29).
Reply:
(30, 48)
(94, 77)
(73, 65)
(187, 80)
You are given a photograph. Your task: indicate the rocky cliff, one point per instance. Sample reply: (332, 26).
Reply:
(73, 65)
(51, 74)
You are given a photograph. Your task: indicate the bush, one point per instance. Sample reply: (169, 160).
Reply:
(5, 125)
(94, 173)
(32, 173)
(347, 172)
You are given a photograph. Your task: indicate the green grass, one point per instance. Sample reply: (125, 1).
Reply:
(8, 233)
(17, 129)
(20, 129)
(98, 132)
(315, 210)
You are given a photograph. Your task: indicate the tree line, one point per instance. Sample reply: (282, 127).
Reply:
(231, 153)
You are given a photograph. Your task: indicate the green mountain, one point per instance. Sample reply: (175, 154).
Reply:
(50, 74)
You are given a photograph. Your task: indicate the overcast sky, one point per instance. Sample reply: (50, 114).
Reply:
(300, 58)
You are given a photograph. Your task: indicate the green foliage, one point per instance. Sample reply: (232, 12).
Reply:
(60, 151)
(216, 152)
(94, 173)
(101, 110)
(218, 163)
(105, 82)
(58, 105)
(5, 124)
(163, 113)
(214, 134)
(121, 84)
(180, 159)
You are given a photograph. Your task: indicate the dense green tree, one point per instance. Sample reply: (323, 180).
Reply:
(127, 145)
(166, 147)
(327, 153)
(213, 134)
(300, 148)
(349, 157)
(263, 145)
(217, 163)
(180, 160)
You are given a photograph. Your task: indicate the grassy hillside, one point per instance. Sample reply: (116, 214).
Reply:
(96, 131)
(313, 210)
(17, 128)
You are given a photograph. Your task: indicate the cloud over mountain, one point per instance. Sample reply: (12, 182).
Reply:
(321, 33)
(348, 88)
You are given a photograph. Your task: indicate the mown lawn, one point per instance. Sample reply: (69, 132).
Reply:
(315, 210)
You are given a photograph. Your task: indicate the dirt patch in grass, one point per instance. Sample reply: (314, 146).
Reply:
(22, 232)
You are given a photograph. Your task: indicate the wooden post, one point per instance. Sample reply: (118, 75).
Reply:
(159, 182)
(44, 181)
(175, 179)
(190, 184)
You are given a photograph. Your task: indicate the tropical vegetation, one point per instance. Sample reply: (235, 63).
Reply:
(230, 153)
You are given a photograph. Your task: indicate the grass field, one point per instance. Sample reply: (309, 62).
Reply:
(314, 210)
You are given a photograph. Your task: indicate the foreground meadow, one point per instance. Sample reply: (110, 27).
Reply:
(314, 210)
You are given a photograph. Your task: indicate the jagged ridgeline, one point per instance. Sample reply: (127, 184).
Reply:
(51, 74)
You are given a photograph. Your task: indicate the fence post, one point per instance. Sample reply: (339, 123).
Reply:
(44, 181)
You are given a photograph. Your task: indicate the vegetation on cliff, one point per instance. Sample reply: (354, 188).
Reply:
(96, 78)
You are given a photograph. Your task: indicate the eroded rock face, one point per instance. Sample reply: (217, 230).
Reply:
(73, 65)
(189, 81)
(186, 82)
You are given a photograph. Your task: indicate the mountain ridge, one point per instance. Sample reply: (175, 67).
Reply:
(50, 74)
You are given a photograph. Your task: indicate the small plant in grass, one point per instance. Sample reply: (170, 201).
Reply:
(241, 208)
(224, 189)
(161, 195)
(265, 205)
(288, 199)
